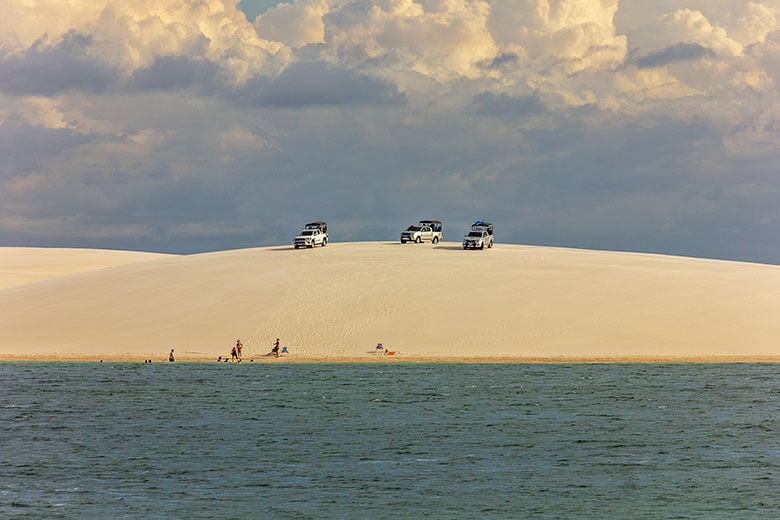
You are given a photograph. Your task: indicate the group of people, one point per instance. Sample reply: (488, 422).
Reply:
(235, 352)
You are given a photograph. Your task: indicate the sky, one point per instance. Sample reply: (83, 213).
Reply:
(183, 127)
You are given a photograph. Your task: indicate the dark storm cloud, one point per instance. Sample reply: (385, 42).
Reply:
(16, 137)
(48, 70)
(24, 147)
(171, 73)
(310, 84)
(677, 52)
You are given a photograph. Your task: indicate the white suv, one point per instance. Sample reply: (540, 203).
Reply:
(424, 231)
(477, 240)
(480, 236)
(314, 234)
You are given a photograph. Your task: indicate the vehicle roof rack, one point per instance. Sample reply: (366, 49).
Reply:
(481, 224)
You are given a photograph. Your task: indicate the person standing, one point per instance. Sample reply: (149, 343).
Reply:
(170, 357)
(234, 354)
(275, 350)
(239, 346)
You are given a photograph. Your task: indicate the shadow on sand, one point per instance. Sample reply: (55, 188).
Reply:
(386, 244)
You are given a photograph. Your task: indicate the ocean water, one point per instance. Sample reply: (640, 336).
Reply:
(475, 441)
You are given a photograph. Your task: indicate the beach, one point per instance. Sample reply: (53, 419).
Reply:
(511, 303)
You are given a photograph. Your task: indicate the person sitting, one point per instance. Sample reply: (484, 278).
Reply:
(380, 348)
(284, 351)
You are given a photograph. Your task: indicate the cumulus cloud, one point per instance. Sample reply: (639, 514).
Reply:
(745, 21)
(443, 39)
(575, 34)
(296, 24)
(686, 26)
(125, 36)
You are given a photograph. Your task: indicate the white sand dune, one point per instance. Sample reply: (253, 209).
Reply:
(20, 265)
(422, 301)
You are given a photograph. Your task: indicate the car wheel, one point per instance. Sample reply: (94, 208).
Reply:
(482, 245)
(403, 241)
(435, 240)
(324, 242)
(417, 240)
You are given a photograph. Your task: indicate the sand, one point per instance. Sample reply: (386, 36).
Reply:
(21, 265)
(424, 302)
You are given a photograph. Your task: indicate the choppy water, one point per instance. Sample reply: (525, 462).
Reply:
(127, 440)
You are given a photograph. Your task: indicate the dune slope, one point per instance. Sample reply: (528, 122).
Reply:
(422, 301)
(20, 265)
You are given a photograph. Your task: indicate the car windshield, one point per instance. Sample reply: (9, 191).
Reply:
(413, 228)
(475, 234)
(307, 232)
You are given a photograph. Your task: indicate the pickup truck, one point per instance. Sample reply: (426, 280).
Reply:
(480, 236)
(424, 231)
(313, 234)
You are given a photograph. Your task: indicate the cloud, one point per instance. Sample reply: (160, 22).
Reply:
(576, 35)
(685, 26)
(174, 73)
(745, 21)
(295, 24)
(50, 69)
(25, 148)
(768, 55)
(503, 105)
(674, 53)
(85, 43)
(441, 40)
(501, 60)
(309, 84)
